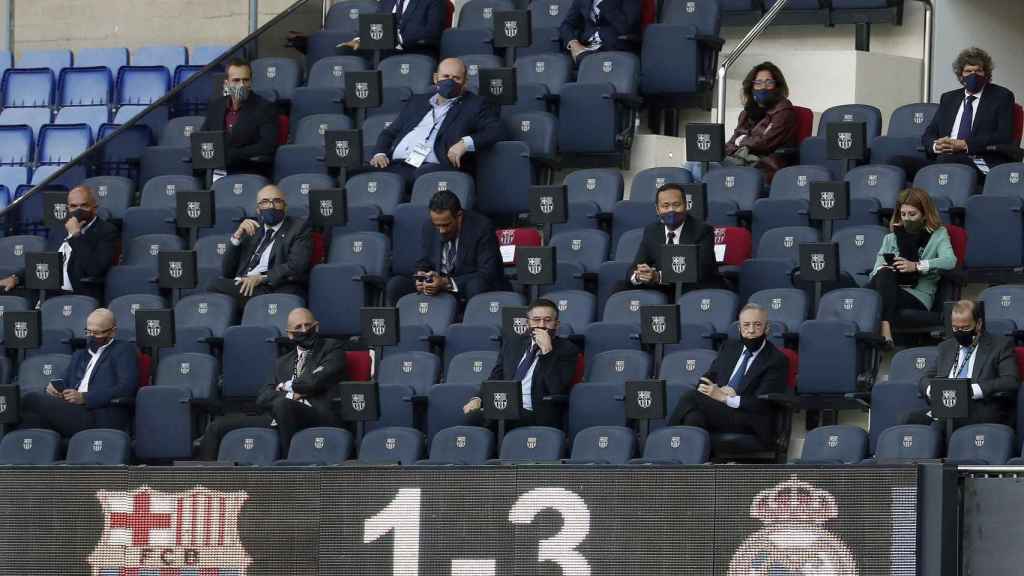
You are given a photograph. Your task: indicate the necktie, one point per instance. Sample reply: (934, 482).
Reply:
(254, 260)
(737, 377)
(447, 258)
(671, 238)
(967, 119)
(300, 362)
(595, 11)
(963, 372)
(525, 363)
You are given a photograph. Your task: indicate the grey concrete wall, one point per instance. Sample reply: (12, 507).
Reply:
(993, 25)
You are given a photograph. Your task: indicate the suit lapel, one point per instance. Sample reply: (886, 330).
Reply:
(980, 357)
(453, 112)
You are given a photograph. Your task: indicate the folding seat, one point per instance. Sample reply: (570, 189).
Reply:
(60, 144)
(194, 97)
(124, 308)
(14, 248)
(249, 357)
(161, 191)
(444, 405)
(595, 404)
(624, 307)
(954, 181)
(740, 184)
(478, 13)
(471, 367)
(646, 182)
(292, 159)
(280, 75)
(43, 175)
(858, 305)
(794, 182)
(588, 248)
(576, 310)
(718, 308)
(85, 87)
(834, 445)
(461, 445)
(813, 150)
(787, 306)
(538, 130)
(111, 58)
(214, 312)
(55, 60)
(832, 357)
(1003, 180)
(770, 213)
(601, 186)
(155, 120)
(629, 215)
(529, 98)
(178, 131)
(858, 249)
(532, 444)
(982, 444)
(197, 373)
(436, 312)
(784, 242)
(35, 372)
(141, 85)
(123, 152)
(372, 128)
(362, 219)
(330, 72)
(1004, 304)
(878, 181)
(903, 138)
(310, 130)
(382, 189)
(393, 99)
(271, 310)
(418, 370)
(92, 116)
(319, 446)
(250, 447)
(458, 183)
(297, 186)
(908, 443)
(684, 369)
(676, 445)
(503, 172)
(29, 446)
(11, 177)
(689, 31)
(28, 87)
(603, 444)
(550, 70)
(619, 366)
(144, 250)
(391, 445)
(548, 13)
(371, 250)
(168, 56)
(344, 16)
(414, 71)
(475, 62)
(67, 312)
(890, 402)
(99, 446)
(16, 145)
(163, 161)
(239, 190)
(546, 40)
(334, 289)
(593, 115)
(994, 226)
(131, 280)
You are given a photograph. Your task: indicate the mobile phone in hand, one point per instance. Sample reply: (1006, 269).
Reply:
(59, 384)
(889, 257)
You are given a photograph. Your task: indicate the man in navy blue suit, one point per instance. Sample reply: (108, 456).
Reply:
(436, 131)
(106, 370)
(420, 24)
(601, 25)
(459, 254)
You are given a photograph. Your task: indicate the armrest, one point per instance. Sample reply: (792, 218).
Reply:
(551, 98)
(375, 281)
(93, 280)
(713, 42)
(124, 401)
(785, 400)
(560, 399)
(386, 219)
(631, 100)
(212, 341)
(262, 159)
(436, 340)
(870, 338)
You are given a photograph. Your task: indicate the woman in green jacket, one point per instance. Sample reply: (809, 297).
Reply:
(906, 272)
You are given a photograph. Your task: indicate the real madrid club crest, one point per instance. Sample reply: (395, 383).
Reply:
(794, 539)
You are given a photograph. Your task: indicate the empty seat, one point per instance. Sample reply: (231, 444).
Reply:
(195, 372)
(458, 183)
(881, 182)
(144, 250)
(31, 446)
(311, 129)
(532, 444)
(330, 72)
(16, 145)
(956, 182)
(984, 444)
(463, 445)
(111, 58)
(471, 367)
(907, 443)
(834, 445)
(619, 366)
(413, 71)
(55, 60)
(92, 116)
(479, 13)
(168, 56)
(35, 372)
(391, 445)
(281, 75)
(1005, 180)
(85, 87)
(142, 84)
(178, 131)
(344, 16)
(603, 445)
(436, 312)
(59, 144)
(601, 186)
(676, 445)
(249, 447)
(28, 87)
(321, 446)
(100, 446)
(35, 117)
(418, 370)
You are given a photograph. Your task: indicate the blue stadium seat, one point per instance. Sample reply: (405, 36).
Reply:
(11, 177)
(588, 248)
(881, 182)
(548, 13)
(67, 312)
(903, 138)
(60, 144)
(320, 446)
(829, 361)
(122, 154)
(144, 250)
(689, 32)
(396, 407)
(590, 117)
(715, 307)
(142, 84)
(890, 402)
(601, 186)
(461, 445)
(100, 446)
(619, 366)
(28, 87)
(676, 445)
(784, 242)
(994, 227)
(372, 128)
(35, 117)
(31, 446)
(124, 281)
(911, 364)
(413, 71)
(168, 56)
(35, 372)
(858, 305)
(239, 190)
(249, 357)
(344, 16)
(330, 72)
(292, 159)
(55, 60)
(16, 145)
(92, 116)
(371, 250)
(794, 182)
(684, 368)
(250, 447)
(982, 444)
(834, 445)
(271, 310)
(391, 445)
(382, 189)
(310, 130)
(813, 150)
(296, 188)
(161, 191)
(307, 100)
(198, 373)
(458, 183)
(624, 307)
(908, 443)
(954, 181)
(532, 444)
(595, 404)
(546, 40)
(1004, 303)
(444, 406)
(437, 312)
(417, 370)
(334, 289)
(536, 129)
(124, 308)
(788, 306)
(478, 13)
(215, 312)
(576, 310)
(503, 172)
(646, 182)
(472, 367)
(551, 70)
(155, 120)
(111, 58)
(858, 248)
(1005, 180)
(603, 445)
(771, 213)
(474, 64)
(740, 184)
(529, 98)
(14, 248)
(281, 75)
(178, 131)
(85, 87)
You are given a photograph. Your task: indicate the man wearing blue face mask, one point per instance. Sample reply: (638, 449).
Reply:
(248, 121)
(266, 256)
(438, 131)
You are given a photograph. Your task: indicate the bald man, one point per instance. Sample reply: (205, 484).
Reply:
(300, 396)
(88, 243)
(266, 255)
(106, 370)
(438, 131)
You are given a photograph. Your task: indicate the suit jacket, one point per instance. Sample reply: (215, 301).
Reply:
(323, 370)
(995, 371)
(254, 135)
(116, 375)
(552, 375)
(470, 115)
(765, 375)
(618, 18)
(478, 260)
(993, 122)
(92, 255)
(421, 24)
(694, 232)
(289, 258)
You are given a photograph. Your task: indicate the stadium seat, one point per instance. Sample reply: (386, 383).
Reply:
(444, 406)
(786, 306)
(168, 56)
(834, 445)
(793, 182)
(281, 75)
(249, 356)
(249, 447)
(471, 367)
(413, 71)
(619, 366)
(55, 60)
(319, 446)
(178, 131)
(715, 307)
(160, 191)
(601, 186)
(112, 58)
(436, 312)
(417, 370)
(164, 160)
(532, 445)
(124, 308)
(994, 226)
(292, 159)
(458, 183)
(67, 312)
(330, 72)
(122, 281)
(689, 31)
(588, 248)
(593, 114)
(903, 138)
(371, 250)
(1004, 304)
(31, 447)
(684, 368)
(911, 364)
(391, 445)
(144, 250)
(99, 447)
(552, 70)
(60, 144)
(503, 172)
(890, 402)
(982, 444)
(595, 404)
(813, 150)
(908, 443)
(878, 181)
(548, 13)
(382, 189)
(461, 445)
(1005, 180)
(741, 184)
(858, 249)
(28, 87)
(372, 128)
(646, 182)
(474, 64)
(92, 116)
(14, 248)
(334, 289)
(239, 190)
(343, 17)
(603, 445)
(478, 13)
(576, 310)
(197, 373)
(271, 310)
(85, 87)
(35, 372)
(123, 152)
(676, 445)
(16, 145)
(215, 312)
(310, 130)
(296, 188)
(954, 181)
(142, 85)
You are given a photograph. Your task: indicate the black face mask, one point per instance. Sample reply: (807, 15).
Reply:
(306, 340)
(82, 215)
(965, 339)
(753, 344)
(95, 343)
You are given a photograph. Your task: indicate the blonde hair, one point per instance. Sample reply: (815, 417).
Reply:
(919, 199)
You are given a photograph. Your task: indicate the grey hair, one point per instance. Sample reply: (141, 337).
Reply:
(973, 56)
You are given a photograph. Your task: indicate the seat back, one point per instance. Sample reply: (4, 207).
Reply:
(142, 84)
(330, 72)
(466, 445)
(715, 307)
(794, 182)
(480, 13)
(390, 445)
(249, 447)
(67, 312)
(458, 183)
(550, 70)
(60, 143)
(678, 445)
(620, 69)
(911, 120)
(858, 249)
(788, 306)
(418, 370)
(381, 189)
(785, 241)
(576, 309)
(741, 184)
(1005, 180)
(32, 446)
(835, 444)
(533, 444)
(414, 71)
(85, 86)
(281, 75)
(1004, 302)
(436, 312)
(249, 360)
(595, 404)
(102, 446)
(168, 56)
(604, 445)
(858, 305)
(485, 309)
(28, 87)
(321, 445)
(624, 307)
(145, 250)
(588, 248)
(619, 366)
(198, 373)
(988, 444)
(601, 186)
(911, 364)
(908, 442)
(879, 181)
(994, 226)
(869, 115)
(311, 129)
(686, 367)
(471, 367)
(239, 190)
(271, 310)
(371, 250)
(208, 310)
(646, 182)
(111, 58)
(954, 181)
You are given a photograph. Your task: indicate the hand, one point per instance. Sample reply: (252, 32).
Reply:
(543, 340)
(249, 283)
(353, 44)
(456, 152)
(903, 265)
(645, 274)
(436, 285)
(53, 391)
(957, 146)
(576, 48)
(73, 226)
(472, 406)
(9, 283)
(709, 389)
(74, 397)
(248, 227)
(380, 161)
(728, 391)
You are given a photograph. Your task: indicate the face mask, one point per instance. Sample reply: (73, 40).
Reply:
(237, 91)
(306, 340)
(964, 339)
(913, 226)
(271, 216)
(974, 83)
(672, 219)
(449, 89)
(82, 215)
(764, 97)
(95, 343)
(753, 344)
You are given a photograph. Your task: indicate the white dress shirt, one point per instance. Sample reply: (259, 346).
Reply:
(94, 357)
(427, 130)
(955, 130)
(527, 383)
(734, 401)
(65, 249)
(264, 263)
(971, 353)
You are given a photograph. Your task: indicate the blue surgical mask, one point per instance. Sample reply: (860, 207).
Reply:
(763, 97)
(672, 219)
(449, 88)
(271, 216)
(974, 83)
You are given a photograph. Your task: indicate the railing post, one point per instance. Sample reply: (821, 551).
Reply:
(323, 14)
(754, 33)
(254, 15)
(929, 41)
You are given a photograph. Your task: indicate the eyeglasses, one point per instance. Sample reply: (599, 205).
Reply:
(764, 83)
(752, 325)
(267, 203)
(98, 332)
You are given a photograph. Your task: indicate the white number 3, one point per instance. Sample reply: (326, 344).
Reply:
(560, 548)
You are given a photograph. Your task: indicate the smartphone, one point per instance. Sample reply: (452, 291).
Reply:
(889, 257)
(58, 384)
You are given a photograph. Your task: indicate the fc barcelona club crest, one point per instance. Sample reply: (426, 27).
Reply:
(391, 443)
(60, 211)
(404, 69)
(643, 398)
(497, 86)
(606, 66)
(376, 31)
(319, 442)
(949, 398)
(1014, 177)
(704, 142)
(175, 268)
(828, 200)
(943, 179)
(845, 140)
(833, 441)
(920, 362)
(147, 531)
(675, 442)
(271, 72)
(193, 209)
(531, 442)
(3, 404)
(817, 262)
(679, 264)
(341, 148)
(534, 265)
(362, 90)
(207, 150)
(547, 204)
(326, 208)
(460, 441)
(518, 326)
(21, 330)
(511, 29)
(358, 402)
(42, 270)
(153, 328)
(424, 307)
(658, 324)
(379, 326)
(500, 400)
(185, 368)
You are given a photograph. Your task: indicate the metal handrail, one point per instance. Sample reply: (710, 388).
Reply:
(929, 41)
(754, 34)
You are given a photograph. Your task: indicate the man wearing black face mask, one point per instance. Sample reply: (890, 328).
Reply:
(543, 363)
(249, 122)
(987, 360)
(300, 395)
(268, 256)
(436, 131)
(726, 400)
(106, 370)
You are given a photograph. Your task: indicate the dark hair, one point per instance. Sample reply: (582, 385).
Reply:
(446, 201)
(780, 81)
(669, 186)
(973, 56)
(237, 62)
(543, 303)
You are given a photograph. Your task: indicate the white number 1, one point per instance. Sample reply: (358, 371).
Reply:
(402, 516)
(560, 548)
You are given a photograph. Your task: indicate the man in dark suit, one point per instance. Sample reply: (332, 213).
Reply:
(599, 25)
(543, 363)
(268, 256)
(436, 131)
(986, 359)
(726, 400)
(420, 24)
(249, 122)
(88, 247)
(459, 254)
(973, 125)
(106, 370)
(674, 226)
(300, 396)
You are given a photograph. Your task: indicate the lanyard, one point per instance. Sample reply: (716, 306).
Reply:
(967, 358)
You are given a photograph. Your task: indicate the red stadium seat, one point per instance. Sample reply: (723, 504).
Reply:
(319, 252)
(794, 366)
(737, 244)
(650, 13)
(804, 123)
(1019, 351)
(1018, 123)
(145, 366)
(512, 237)
(357, 363)
(451, 14)
(958, 238)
